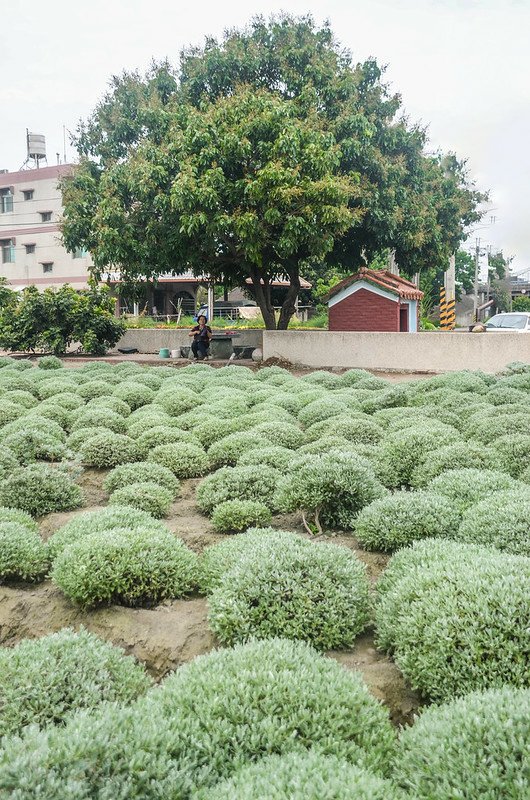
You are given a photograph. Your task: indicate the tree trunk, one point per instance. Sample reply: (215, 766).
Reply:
(289, 304)
(262, 296)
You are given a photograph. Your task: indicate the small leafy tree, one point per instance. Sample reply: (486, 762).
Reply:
(56, 318)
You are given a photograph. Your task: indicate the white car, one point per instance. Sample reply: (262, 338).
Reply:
(513, 322)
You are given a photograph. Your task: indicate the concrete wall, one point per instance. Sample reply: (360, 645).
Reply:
(150, 340)
(416, 352)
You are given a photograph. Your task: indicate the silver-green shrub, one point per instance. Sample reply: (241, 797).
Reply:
(302, 776)
(512, 453)
(50, 387)
(402, 450)
(280, 433)
(96, 388)
(42, 681)
(23, 554)
(176, 400)
(49, 362)
(455, 617)
(134, 394)
(107, 519)
(185, 460)
(319, 410)
(18, 516)
(208, 720)
(242, 483)
(39, 489)
(501, 521)
(272, 456)
(467, 486)
(8, 461)
(234, 516)
(162, 434)
(35, 444)
(130, 567)
(331, 488)
(473, 747)
(146, 495)
(108, 449)
(227, 451)
(294, 589)
(139, 472)
(457, 455)
(98, 417)
(109, 401)
(399, 519)
(21, 397)
(353, 427)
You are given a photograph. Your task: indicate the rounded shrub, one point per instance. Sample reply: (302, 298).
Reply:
(331, 488)
(208, 720)
(9, 412)
(465, 487)
(177, 400)
(242, 483)
(402, 450)
(512, 453)
(324, 595)
(474, 746)
(458, 455)
(499, 521)
(399, 519)
(359, 429)
(218, 559)
(39, 489)
(80, 436)
(210, 429)
(328, 380)
(36, 423)
(68, 400)
(162, 434)
(51, 387)
(8, 461)
(228, 450)
(131, 567)
(280, 433)
(107, 449)
(21, 397)
(134, 394)
(94, 417)
(111, 402)
(183, 459)
(49, 411)
(303, 776)
(44, 680)
(320, 410)
(95, 388)
(49, 362)
(34, 444)
(234, 516)
(147, 496)
(106, 519)
(23, 554)
(140, 472)
(12, 379)
(273, 456)
(20, 517)
(488, 427)
(455, 616)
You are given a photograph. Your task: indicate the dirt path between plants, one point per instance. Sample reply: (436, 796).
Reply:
(177, 631)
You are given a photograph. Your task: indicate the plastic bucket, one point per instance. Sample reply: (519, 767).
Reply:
(175, 353)
(164, 352)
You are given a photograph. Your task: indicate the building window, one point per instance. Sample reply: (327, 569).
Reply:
(28, 194)
(80, 252)
(30, 248)
(8, 251)
(47, 266)
(6, 201)
(46, 216)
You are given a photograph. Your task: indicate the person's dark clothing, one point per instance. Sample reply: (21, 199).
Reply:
(201, 341)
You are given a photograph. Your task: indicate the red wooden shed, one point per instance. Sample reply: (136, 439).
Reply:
(374, 300)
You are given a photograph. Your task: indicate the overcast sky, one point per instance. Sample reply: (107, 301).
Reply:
(461, 67)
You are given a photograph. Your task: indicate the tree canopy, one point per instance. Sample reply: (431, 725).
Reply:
(269, 152)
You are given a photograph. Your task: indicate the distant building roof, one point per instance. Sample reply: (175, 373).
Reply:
(384, 280)
(188, 277)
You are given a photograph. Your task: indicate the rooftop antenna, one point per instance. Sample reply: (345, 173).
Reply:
(64, 144)
(36, 151)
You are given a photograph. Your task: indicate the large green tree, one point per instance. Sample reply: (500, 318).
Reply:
(272, 152)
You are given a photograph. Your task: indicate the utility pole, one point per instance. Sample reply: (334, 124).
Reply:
(475, 285)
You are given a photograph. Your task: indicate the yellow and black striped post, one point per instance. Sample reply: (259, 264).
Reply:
(447, 312)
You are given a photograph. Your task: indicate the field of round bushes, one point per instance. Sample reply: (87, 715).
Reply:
(301, 479)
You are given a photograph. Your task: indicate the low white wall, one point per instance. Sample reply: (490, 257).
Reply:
(150, 340)
(415, 352)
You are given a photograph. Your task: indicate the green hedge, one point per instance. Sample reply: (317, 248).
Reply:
(473, 747)
(289, 587)
(456, 617)
(39, 489)
(399, 519)
(303, 776)
(130, 567)
(42, 681)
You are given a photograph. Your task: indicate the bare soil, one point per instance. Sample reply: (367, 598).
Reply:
(177, 631)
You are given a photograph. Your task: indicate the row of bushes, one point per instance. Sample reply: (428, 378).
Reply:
(268, 718)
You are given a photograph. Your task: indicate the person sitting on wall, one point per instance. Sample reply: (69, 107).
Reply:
(201, 338)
